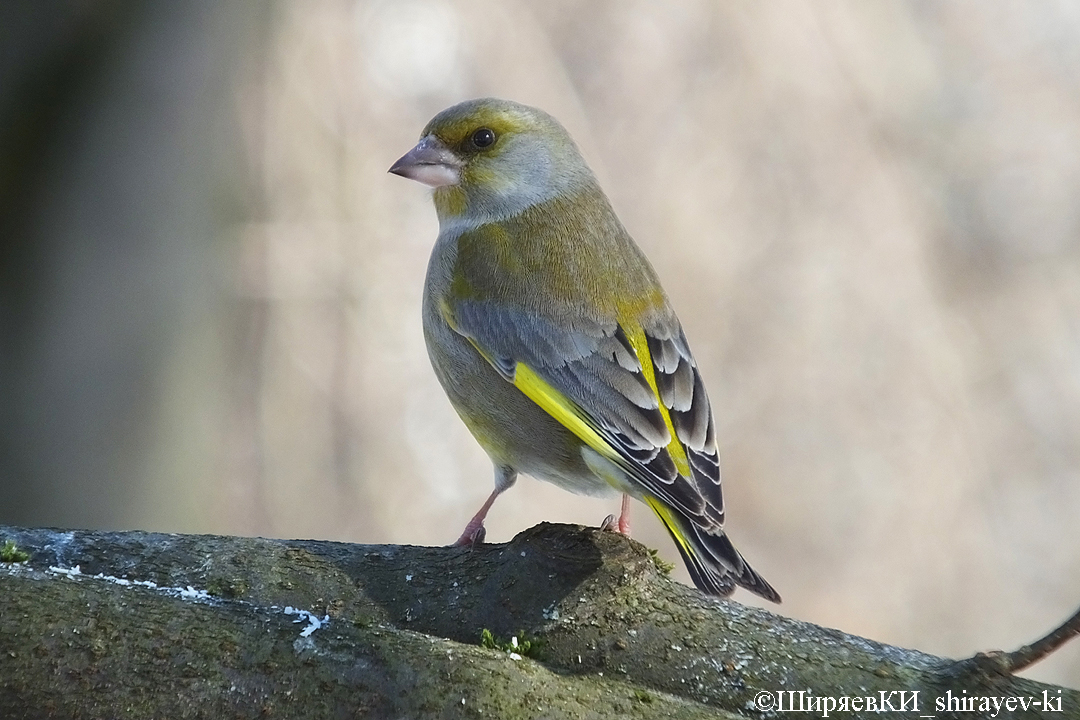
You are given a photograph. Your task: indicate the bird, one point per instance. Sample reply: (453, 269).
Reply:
(553, 339)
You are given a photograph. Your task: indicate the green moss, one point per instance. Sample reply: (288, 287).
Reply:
(230, 588)
(661, 564)
(642, 696)
(520, 643)
(10, 553)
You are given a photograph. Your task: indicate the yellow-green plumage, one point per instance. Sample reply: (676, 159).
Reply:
(551, 334)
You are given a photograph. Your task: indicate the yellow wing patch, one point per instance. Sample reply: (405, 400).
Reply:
(636, 335)
(562, 409)
(668, 518)
(553, 402)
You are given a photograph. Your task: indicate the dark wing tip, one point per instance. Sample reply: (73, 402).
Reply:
(758, 585)
(716, 567)
(744, 576)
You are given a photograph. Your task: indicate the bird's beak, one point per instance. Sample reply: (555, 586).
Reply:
(430, 163)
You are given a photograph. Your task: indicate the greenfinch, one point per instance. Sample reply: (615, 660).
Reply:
(550, 333)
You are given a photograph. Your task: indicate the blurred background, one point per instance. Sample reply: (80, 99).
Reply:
(866, 214)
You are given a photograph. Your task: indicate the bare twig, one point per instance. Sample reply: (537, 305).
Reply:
(1030, 654)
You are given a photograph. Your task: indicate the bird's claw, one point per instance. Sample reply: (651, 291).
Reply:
(472, 537)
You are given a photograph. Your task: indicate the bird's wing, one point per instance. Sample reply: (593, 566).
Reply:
(631, 392)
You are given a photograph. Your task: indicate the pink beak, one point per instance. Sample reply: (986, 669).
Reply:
(430, 163)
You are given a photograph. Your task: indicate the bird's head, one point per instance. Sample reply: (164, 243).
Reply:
(490, 159)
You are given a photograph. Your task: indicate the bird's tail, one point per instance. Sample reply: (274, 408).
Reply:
(715, 566)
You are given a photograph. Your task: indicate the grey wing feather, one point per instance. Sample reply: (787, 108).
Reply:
(584, 361)
(594, 365)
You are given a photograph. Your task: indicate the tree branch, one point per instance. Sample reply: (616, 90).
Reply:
(616, 636)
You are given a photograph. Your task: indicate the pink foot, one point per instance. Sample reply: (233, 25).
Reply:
(474, 532)
(471, 536)
(622, 525)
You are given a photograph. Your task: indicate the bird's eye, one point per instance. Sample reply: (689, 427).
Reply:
(483, 138)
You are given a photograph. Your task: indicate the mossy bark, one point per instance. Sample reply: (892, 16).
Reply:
(617, 638)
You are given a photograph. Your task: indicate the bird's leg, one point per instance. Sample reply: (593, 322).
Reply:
(624, 516)
(622, 525)
(474, 532)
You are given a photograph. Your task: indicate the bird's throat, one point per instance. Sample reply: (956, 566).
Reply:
(451, 202)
